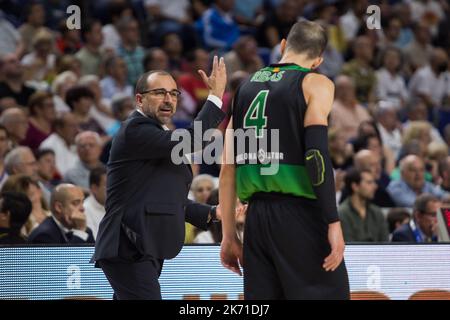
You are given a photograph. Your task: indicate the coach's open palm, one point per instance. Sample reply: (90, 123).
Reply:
(217, 81)
(337, 244)
(231, 254)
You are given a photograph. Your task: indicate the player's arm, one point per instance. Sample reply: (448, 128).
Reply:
(319, 94)
(231, 247)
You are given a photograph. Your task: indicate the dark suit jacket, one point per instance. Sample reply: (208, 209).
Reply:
(147, 192)
(49, 232)
(404, 233)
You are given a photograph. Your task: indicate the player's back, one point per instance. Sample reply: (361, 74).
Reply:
(272, 99)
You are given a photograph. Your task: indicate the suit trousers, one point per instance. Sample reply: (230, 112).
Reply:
(132, 276)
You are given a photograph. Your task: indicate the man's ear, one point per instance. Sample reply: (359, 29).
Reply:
(282, 47)
(317, 62)
(138, 99)
(58, 207)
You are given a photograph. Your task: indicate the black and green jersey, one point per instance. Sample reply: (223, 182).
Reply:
(271, 99)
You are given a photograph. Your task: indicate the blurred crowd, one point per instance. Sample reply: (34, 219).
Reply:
(64, 93)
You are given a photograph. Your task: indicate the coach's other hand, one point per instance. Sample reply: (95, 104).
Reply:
(217, 81)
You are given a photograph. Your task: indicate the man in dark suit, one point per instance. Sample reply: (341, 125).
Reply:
(146, 202)
(424, 226)
(68, 221)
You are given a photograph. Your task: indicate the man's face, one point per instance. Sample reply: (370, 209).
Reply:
(203, 191)
(89, 149)
(70, 129)
(158, 103)
(11, 67)
(83, 105)
(47, 166)
(27, 165)
(427, 221)
(120, 69)
(367, 186)
(414, 174)
(95, 37)
(71, 205)
(48, 109)
(18, 126)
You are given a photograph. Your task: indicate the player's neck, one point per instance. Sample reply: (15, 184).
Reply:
(297, 59)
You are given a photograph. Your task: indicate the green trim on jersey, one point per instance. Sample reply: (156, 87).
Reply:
(290, 179)
(287, 67)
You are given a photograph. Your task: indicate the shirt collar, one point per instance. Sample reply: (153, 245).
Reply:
(63, 229)
(162, 125)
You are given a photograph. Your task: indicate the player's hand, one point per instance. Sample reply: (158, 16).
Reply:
(337, 244)
(231, 254)
(217, 81)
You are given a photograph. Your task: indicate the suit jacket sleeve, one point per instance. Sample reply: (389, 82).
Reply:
(150, 142)
(197, 214)
(400, 236)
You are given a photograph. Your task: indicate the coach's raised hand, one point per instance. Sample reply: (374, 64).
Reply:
(217, 81)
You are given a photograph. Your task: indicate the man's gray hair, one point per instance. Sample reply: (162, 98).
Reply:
(84, 134)
(14, 158)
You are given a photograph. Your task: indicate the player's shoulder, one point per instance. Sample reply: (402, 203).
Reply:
(316, 81)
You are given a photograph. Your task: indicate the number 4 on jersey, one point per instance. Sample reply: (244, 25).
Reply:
(254, 117)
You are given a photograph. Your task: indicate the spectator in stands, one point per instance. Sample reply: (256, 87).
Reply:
(10, 40)
(94, 205)
(218, 28)
(388, 126)
(244, 56)
(353, 19)
(62, 83)
(391, 33)
(397, 217)
(34, 22)
(340, 150)
(129, 48)
(90, 55)
(201, 188)
(361, 220)
(62, 142)
(420, 131)
(15, 209)
(68, 62)
(100, 110)
(69, 41)
(21, 160)
(416, 110)
(121, 106)
(4, 148)
(42, 113)
(39, 64)
(366, 160)
(68, 221)
(26, 185)
(89, 148)
(46, 171)
(444, 173)
(194, 90)
(115, 81)
(173, 47)
(346, 113)
(418, 52)
(13, 90)
(80, 100)
(390, 84)
(214, 232)
(156, 59)
(423, 226)
(277, 23)
(412, 183)
(360, 70)
(429, 82)
(111, 37)
(16, 123)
